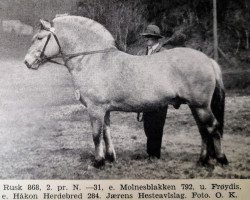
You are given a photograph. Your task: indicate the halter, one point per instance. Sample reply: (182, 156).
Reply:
(65, 57)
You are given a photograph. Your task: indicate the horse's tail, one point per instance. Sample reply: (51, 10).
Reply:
(218, 99)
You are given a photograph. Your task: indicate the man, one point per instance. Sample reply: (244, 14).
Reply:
(153, 35)
(153, 121)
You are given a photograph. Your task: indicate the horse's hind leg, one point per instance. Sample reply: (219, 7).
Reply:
(210, 134)
(110, 152)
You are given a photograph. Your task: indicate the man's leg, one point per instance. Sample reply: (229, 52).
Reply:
(153, 126)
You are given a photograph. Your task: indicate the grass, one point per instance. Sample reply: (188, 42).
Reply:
(46, 134)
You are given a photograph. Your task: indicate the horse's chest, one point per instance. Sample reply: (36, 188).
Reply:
(91, 87)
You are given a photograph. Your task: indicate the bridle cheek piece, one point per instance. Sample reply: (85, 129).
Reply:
(44, 58)
(42, 55)
(65, 57)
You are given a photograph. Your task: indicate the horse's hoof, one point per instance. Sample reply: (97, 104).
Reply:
(204, 161)
(110, 157)
(99, 163)
(222, 160)
(208, 164)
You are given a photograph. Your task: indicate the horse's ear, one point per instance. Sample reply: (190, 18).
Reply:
(45, 24)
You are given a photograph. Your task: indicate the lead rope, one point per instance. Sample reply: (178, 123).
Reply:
(67, 57)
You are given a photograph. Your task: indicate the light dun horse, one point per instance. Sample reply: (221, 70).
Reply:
(111, 80)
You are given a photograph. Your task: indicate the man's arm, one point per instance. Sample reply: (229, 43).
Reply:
(141, 52)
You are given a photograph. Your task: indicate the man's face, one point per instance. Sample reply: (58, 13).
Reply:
(151, 41)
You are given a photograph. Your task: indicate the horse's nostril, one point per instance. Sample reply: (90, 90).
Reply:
(27, 64)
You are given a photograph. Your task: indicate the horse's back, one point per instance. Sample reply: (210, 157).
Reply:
(186, 59)
(155, 79)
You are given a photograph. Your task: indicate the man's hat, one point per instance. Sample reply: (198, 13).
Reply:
(152, 31)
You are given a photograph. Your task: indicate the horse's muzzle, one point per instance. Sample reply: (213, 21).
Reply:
(27, 64)
(31, 66)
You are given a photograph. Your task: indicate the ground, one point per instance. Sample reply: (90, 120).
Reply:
(45, 134)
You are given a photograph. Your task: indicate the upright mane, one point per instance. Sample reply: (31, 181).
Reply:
(87, 24)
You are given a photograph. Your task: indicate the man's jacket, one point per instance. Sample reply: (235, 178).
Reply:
(144, 51)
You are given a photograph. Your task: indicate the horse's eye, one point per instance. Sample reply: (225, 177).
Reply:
(39, 38)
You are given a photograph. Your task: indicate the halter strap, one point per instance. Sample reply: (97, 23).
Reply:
(66, 57)
(45, 45)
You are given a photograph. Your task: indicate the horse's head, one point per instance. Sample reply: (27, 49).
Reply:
(77, 35)
(44, 46)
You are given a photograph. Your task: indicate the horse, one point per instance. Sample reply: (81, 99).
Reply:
(109, 79)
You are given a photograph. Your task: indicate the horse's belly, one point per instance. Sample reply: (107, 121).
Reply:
(142, 96)
(137, 104)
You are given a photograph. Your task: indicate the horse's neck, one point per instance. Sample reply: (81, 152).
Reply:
(75, 42)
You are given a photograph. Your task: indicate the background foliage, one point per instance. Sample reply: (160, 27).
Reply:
(189, 22)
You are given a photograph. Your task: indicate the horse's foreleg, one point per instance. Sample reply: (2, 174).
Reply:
(110, 152)
(211, 137)
(97, 126)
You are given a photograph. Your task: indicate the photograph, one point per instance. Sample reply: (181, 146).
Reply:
(124, 90)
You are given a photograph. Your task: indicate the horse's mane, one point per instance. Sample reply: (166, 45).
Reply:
(88, 24)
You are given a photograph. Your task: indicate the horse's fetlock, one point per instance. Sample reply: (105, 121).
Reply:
(217, 135)
(204, 160)
(96, 141)
(222, 160)
(110, 157)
